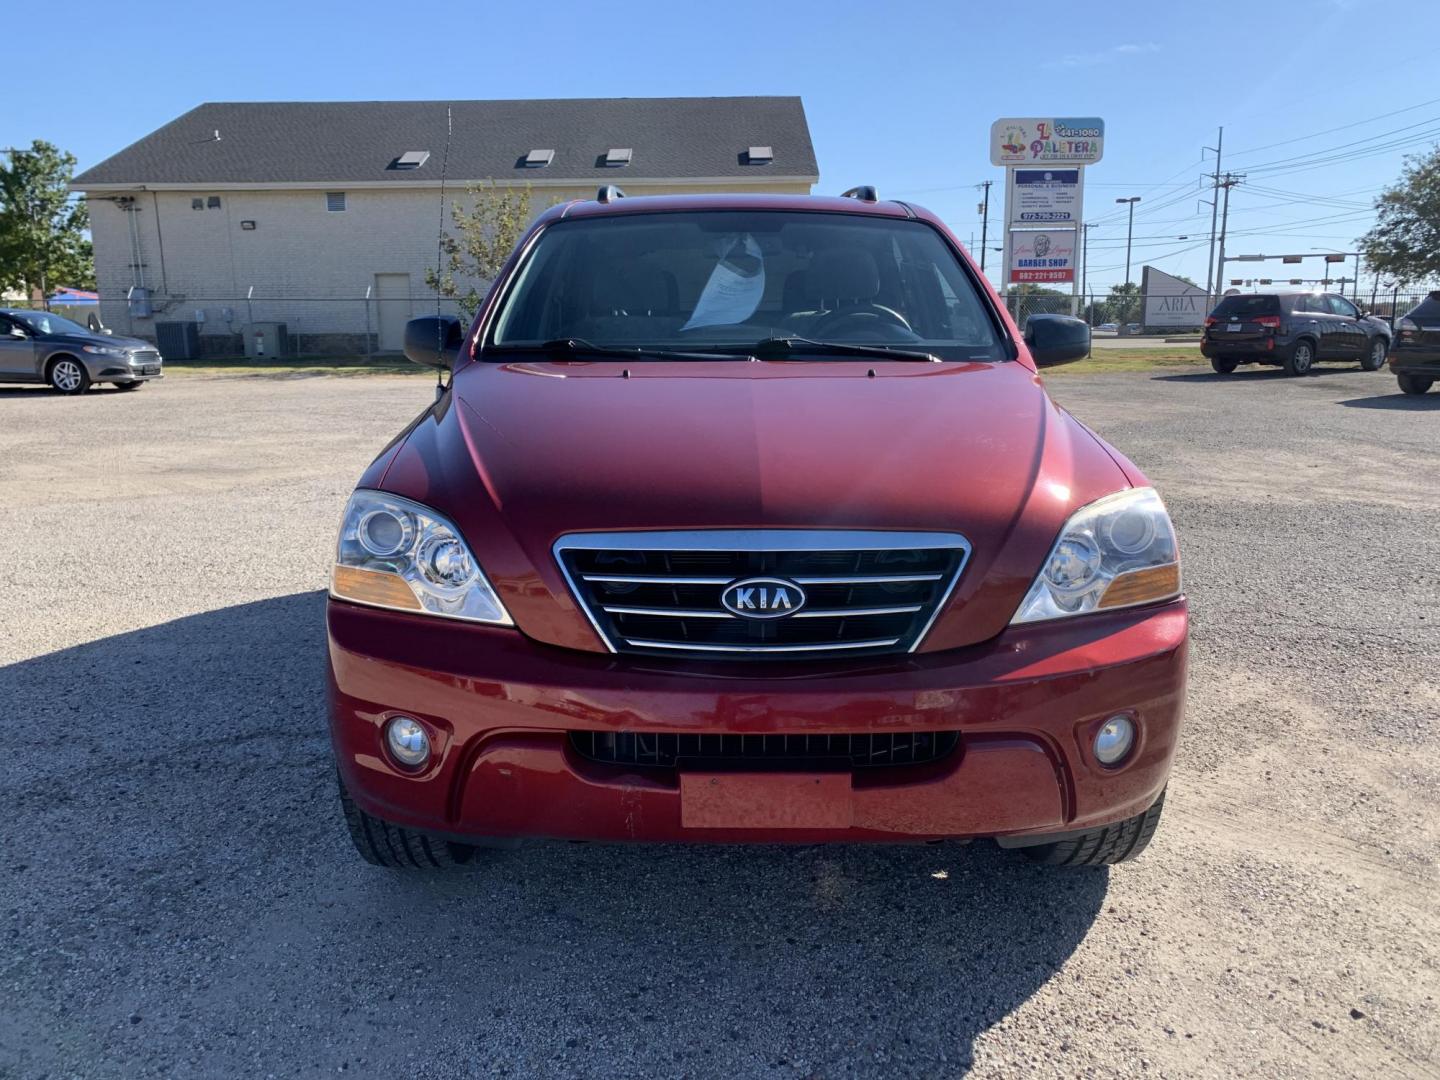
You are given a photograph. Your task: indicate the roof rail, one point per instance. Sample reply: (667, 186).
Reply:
(608, 193)
(863, 192)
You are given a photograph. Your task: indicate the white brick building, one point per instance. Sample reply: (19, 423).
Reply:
(239, 214)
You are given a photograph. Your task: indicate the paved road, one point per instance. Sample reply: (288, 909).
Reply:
(179, 898)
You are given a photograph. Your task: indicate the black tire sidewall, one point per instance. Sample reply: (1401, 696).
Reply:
(1292, 362)
(1368, 361)
(84, 376)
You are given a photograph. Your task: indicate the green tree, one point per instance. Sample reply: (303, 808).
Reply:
(1405, 242)
(486, 232)
(1122, 305)
(42, 228)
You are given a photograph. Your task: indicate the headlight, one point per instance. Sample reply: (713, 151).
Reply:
(1117, 552)
(394, 553)
(102, 350)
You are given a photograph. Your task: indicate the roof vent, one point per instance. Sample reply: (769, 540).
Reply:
(617, 157)
(411, 159)
(759, 155)
(538, 159)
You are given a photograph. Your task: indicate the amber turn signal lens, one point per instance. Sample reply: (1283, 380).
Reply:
(1139, 586)
(373, 587)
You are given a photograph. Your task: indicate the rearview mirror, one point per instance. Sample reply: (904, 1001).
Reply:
(1056, 339)
(433, 341)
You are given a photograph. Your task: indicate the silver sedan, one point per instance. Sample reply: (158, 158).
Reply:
(41, 347)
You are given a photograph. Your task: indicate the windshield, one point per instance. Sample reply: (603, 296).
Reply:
(1248, 305)
(723, 281)
(42, 322)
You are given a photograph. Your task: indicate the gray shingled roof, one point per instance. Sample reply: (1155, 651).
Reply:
(356, 141)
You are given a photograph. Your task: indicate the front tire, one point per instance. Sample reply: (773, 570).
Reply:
(1413, 384)
(1374, 360)
(67, 375)
(1104, 846)
(383, 844)
(1223, 366)
(1301, 359)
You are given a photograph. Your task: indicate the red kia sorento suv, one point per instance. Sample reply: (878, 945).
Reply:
(748, 519)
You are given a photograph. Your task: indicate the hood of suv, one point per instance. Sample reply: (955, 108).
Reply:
(524, 453)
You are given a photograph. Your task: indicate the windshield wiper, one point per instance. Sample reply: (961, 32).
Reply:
(783, 347)
(581, 347)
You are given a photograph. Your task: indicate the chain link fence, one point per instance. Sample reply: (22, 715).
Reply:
(259, 326)
(1123, 313)
(370, 326)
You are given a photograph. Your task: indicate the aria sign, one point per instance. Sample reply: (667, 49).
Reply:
(1047, 141)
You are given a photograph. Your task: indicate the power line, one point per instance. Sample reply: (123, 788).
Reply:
(1331, 131)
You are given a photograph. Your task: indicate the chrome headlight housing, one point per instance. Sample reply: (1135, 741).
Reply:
(394, 553)
(1117, 552)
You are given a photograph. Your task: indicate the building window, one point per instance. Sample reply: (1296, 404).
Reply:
(335, 201)
(213, 202)
(197, 204)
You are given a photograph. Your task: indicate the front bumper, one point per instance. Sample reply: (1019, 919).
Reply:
(499, 708)
(110, 371)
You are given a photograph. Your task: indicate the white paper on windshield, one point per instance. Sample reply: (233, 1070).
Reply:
(735, 288)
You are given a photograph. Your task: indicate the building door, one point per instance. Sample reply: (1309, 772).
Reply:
(392, 304)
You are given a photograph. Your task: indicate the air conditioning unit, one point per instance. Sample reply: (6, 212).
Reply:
(267, 340)
(178, 340)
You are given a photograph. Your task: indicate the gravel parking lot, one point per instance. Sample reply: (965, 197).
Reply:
(179, 897)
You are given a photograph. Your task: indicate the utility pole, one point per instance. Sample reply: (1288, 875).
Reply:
(1214, 209)
(984, 222)
(1230, 181)
(1085, 257)
(1129, 231)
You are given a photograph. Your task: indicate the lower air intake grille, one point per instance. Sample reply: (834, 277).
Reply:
(669, 751)
(855, 593)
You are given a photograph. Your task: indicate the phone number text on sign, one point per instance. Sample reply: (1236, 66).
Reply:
(1042, 256)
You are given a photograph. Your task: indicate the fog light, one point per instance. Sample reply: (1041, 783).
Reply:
(1114, 740)
(407, 741)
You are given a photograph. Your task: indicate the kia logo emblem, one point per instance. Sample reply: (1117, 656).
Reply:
(763, 598)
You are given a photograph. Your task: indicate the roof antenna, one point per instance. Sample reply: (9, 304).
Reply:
(440, 334)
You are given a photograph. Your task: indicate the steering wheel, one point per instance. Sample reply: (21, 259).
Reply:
(860, 315)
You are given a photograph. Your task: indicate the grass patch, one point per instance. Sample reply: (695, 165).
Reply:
(300, 367)
(1104, 361)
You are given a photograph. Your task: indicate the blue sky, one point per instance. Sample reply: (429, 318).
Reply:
(899, 94)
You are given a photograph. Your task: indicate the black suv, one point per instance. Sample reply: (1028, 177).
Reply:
(1293, 331)
(1416, 359)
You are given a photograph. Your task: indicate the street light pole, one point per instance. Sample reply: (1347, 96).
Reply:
(1129, 232)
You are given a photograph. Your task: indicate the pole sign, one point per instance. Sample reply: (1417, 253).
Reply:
(1035, 198)
(1047, 141)
(1041, 257)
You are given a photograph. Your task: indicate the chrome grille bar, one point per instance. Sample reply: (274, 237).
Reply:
(660, 592)
(827, 646)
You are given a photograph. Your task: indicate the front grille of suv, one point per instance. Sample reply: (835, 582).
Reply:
(855, 751)
(659, 593)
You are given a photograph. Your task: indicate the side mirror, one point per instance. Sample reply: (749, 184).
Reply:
(1056, 339)
(433, 341)
(16, 332)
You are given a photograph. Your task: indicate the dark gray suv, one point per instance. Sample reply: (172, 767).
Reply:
(39, 346)
(1293, 331)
